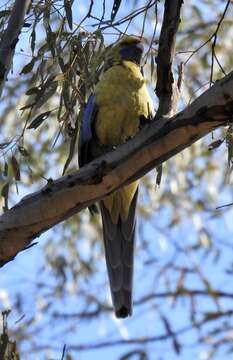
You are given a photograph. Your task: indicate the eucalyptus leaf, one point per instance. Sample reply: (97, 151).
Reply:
(38, 120)
(115, 8)
(28, 67)
(15, 168)
(68, 11)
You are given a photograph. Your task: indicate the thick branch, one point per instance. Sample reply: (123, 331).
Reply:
(155, 144)
(166, 88)
(10, 38)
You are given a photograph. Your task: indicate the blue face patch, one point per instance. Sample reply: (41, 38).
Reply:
(132, 53)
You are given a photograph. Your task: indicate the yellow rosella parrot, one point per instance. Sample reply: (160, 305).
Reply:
(113, 114)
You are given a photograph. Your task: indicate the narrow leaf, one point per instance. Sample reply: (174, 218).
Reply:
(23, 151)
(51, 39)
(5, 172)
(27, 25)
(15, 167)
(4, 13)
(33, 40)
(73, 141)
(61, 63)
(28, 67)
(115, 9)
(4, 145)
(229, 142)
(33, 91)
(48, 90)
(27, 106)
(159, 174)
(38, 120)
(152, 67)
(4, 194)
(215, 144)
(68, 11)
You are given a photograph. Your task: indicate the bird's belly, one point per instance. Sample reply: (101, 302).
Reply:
(121, 98)
(118, 121)
(114, 125)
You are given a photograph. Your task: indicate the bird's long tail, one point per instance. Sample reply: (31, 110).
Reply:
(119, 252)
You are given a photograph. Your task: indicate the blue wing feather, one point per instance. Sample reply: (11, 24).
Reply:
(89, 114)
(87, 131)
(86, 136)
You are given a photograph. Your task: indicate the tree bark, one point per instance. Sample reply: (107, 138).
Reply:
(152, 146)
(166, 87)
(10, 38)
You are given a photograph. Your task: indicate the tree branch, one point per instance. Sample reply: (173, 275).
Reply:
(166, 88)
(10, 38)
(119, 342)
(152, 146)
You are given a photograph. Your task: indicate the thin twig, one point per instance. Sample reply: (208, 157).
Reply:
(212, 36)
(215, 35)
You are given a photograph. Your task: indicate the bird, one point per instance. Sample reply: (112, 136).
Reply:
(116, 110)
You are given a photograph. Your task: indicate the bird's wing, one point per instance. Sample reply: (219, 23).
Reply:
(119, 253)
(86, 131)
(86, 136)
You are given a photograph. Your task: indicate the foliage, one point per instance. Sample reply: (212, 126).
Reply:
(8, 348)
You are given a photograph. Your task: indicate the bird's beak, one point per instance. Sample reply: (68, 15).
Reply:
(132, 52)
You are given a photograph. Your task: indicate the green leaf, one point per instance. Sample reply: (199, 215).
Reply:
(38, 120)
(66, 94)
(23, 151)
(51, 36)
(47, 90)
(229, 142)
(159, 174)
(215, 144)
(15, 168)
(27, 25)
(4, 145)
(4, 194)
(61, 63)
(51, 39)
(152, 67)
(27, 106)
(4, 13)
(28, 67)
(33, 39)
(115, 9)
(5, 172)
(73, 142)
(68, 11)
(33, 91)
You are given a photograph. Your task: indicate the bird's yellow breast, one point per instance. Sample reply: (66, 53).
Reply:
(121, 97)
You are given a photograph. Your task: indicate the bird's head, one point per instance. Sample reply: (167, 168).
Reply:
(129, 48)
